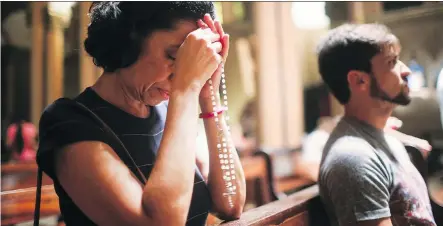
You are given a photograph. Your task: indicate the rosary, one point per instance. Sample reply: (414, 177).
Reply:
(224, 149)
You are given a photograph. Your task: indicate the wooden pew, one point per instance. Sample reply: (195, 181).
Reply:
(19, 181)
(258, 176)
(302, 208)
(18, 205)
(289, 182)
(286, 181)
(9, 168)
(21, 175)
(263, 186)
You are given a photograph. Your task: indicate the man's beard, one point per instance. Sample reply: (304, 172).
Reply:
(402, 98)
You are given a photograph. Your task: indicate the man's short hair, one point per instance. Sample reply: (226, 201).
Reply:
(350, 47)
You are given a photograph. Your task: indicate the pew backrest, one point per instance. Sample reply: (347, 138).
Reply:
(21, 175)
(18, 205)
(301, 208)
(259, 178)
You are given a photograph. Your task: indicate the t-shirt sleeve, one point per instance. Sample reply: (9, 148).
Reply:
(358, 186)
(61, 125)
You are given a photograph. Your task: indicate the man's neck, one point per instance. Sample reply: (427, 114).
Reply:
(375, 117)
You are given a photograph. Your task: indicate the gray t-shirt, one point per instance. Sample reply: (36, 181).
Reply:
(366, 175)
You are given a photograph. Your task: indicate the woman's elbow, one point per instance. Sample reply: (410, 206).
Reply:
(164, 211)
(229, 213)
(236, 213)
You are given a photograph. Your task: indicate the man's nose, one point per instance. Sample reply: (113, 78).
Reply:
(404, 70)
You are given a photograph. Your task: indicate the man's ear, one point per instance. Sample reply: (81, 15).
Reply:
(358, 80)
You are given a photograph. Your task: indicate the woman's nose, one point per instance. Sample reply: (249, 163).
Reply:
(170, 77)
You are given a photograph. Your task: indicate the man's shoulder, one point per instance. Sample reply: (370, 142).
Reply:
(355, 161)
(349, 150)
(344, 142)
(346, 152)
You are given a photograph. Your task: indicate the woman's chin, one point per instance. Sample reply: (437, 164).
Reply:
(152, 98)
(156, 101)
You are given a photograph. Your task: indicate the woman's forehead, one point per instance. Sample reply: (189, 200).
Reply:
(176, 35)
(168, 39)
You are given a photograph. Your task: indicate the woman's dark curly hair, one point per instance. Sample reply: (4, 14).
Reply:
(118, 29)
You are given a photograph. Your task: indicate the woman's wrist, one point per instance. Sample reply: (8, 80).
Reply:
(206, 104)
(184, 94)
(183, 98)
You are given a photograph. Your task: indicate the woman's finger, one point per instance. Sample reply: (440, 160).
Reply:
(208, 20)
(219, 27)
(202, 24)
(211, 36)
(217, 47)
(225, 51)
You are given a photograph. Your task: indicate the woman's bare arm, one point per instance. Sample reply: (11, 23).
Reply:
(109, 194)
(216, 183)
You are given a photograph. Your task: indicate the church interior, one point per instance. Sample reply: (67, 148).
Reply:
(281, 113)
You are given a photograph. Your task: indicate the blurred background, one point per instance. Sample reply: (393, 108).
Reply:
(280, 111)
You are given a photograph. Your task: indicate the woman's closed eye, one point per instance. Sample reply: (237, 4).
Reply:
(171, 53)
(170, 57)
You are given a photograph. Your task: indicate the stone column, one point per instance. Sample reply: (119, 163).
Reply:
(365, 12)
(88, 71)
(372, 11)
(279, 85)
(356, 12)
(37, 62)
(55, 59)
(292, 67)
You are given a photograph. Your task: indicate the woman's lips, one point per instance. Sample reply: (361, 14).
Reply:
(164, 93)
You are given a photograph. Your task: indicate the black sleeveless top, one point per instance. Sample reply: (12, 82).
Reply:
(61, 125)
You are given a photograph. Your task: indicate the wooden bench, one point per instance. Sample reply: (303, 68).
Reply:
(302, 208)
(287, 180)
(259, 178)
(19, 181)
(18, 205)
(263, 186)
(21, 175)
